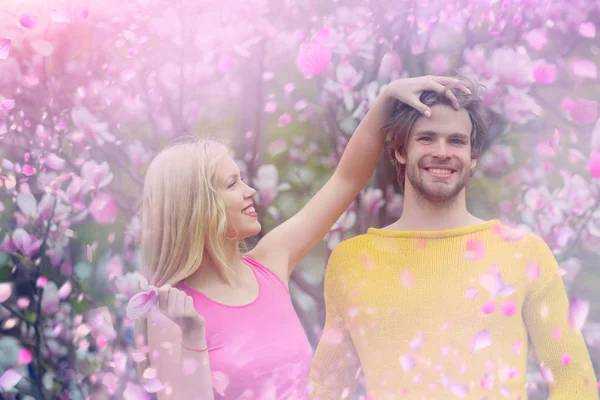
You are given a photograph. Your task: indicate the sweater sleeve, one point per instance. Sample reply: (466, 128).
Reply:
(559, 348)
(335, 366)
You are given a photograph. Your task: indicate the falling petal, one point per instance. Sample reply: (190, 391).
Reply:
(28, 21)
(517, 347)
(480, 340)
(28, 170)
(585, 69)
(134, 392)
(407, 362)
(594, 165)
(578, 313)
(407, 279)
(508, 309)
(284, 120)
(153, 385)
(532, 271)
(458, 389)
(60, 16)
(536, 39)
(220, 382)
(41, 281)
(417, 342)
(4, 48)
(587, 30)
(488, 307)
(544, 73)
(475, 249)
(584, 111)
(25, 356)
(313, 59)
(471, 293)
(487, 382)
(9, 379)
(547, 375)
(42, 47)
(8, 104)
(65, 290)
(138, 356)
(5, 291)
(140, 305)
(566, 359)
(556, 332)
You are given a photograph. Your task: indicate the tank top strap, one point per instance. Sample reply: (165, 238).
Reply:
(265, 274)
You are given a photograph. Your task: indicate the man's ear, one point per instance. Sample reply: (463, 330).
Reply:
(399, 157)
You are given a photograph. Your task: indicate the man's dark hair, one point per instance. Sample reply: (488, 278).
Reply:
(403, 120)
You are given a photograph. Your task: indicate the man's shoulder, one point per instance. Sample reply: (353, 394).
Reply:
(521, 237)
(351, 245)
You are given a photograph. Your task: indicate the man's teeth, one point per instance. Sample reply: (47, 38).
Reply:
(248, 210)
(440, 171)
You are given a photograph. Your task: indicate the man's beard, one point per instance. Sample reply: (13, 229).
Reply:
(438, 192)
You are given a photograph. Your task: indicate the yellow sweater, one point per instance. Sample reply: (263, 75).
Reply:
(446, 315)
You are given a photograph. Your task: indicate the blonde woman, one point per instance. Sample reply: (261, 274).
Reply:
(225, 327)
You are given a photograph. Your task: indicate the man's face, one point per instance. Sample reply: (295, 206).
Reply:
(438, 155)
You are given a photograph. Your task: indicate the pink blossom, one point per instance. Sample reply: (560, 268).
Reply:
(103, 208)
(581, 110)
(313, 59)
(96, 176)
(511, 67)
(5, 291)
(373, 200)
(594, 165)
(587, 30)
(544, 73)
(27, 244)
(536, 39)
(584, 69)
(50, 299)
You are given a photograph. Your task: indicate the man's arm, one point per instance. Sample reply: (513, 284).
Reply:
(335, 367)
(560, 349)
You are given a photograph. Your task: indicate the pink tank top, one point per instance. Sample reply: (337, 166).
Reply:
(258, 350)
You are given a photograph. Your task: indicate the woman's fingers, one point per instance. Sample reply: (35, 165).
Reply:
(163, 297)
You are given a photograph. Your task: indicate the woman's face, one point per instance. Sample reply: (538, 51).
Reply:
(242, 219)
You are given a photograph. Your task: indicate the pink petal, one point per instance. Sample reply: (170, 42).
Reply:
(536, 39)
(28, 21)
(417, 342)
(566, 359)
(140, 305)
(587, 30)
(508, 309)
(153, 385)
(475, 249)
(407, 279)
(25, 356)
(556, 332)
(471, 293)
(134, 392)
(42, 47)
(60, 16)
(578, 313)
(532, 271)
(8, 104)
(313, 59)
(594, 165)
(28, 170)
(103, 208)
(41, 281)
(544, 73)
(9, 379)
(487, 382)
(488, 307)
(220, 382)
(284, 120)
(585, 69)
(547, 375)
(5, 291)
(480, 340)
(584, 111)
(4, 48)
(407, 362)
(517, 347)
(65, 290)
(23, 302)
(458, 389)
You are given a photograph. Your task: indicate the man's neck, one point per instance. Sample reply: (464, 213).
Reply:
(421, 214)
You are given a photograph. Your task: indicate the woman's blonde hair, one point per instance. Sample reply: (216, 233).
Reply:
(183, 216)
